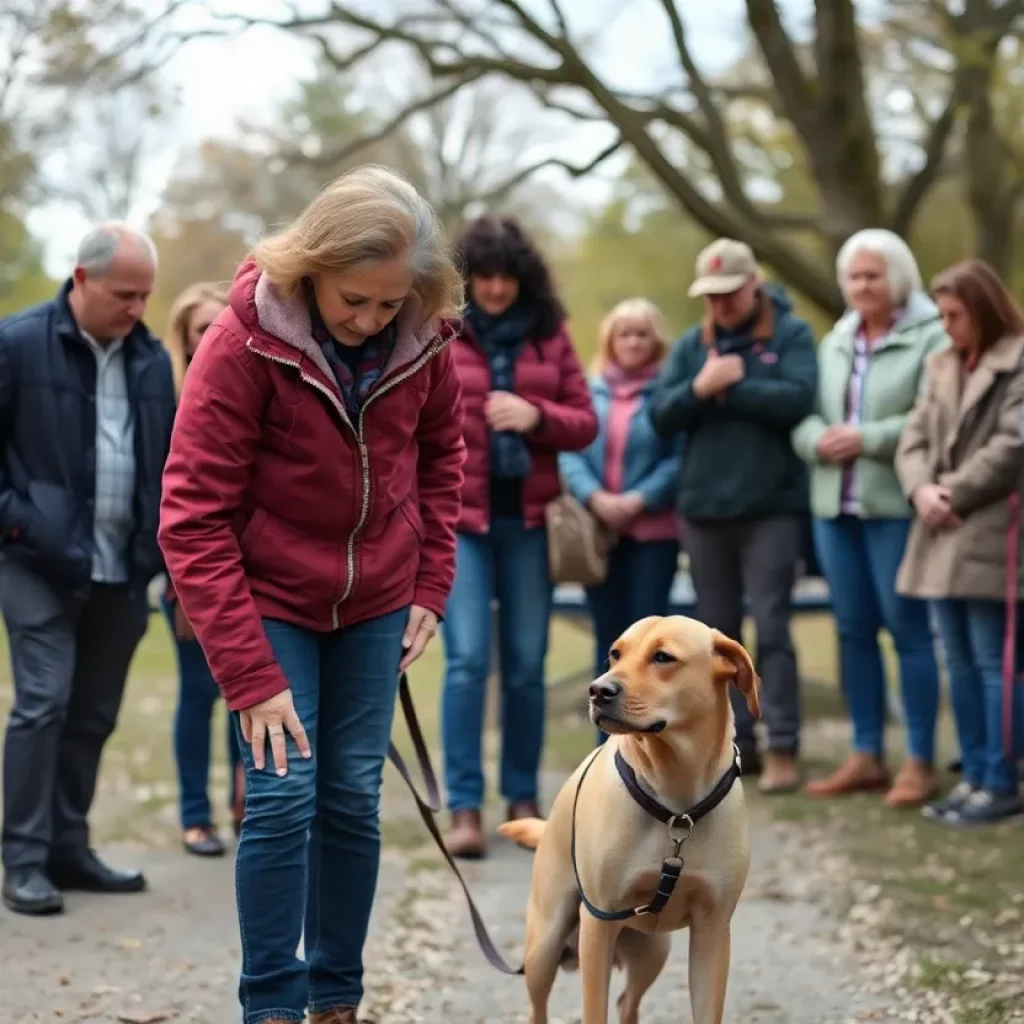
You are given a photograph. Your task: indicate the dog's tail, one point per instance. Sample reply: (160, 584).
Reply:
(524, 831)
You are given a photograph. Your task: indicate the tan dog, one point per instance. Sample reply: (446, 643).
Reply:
(665, 702)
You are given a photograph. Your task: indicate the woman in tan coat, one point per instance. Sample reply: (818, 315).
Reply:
(960, 462)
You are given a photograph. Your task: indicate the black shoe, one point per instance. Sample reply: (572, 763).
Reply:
(203, 842)
(953, 801)
(29, 891)
(87, 873)
(750, 758)
(983, 807)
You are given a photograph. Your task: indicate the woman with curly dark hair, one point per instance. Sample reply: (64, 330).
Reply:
(525, 399)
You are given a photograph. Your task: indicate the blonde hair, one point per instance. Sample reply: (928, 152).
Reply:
(368, 215)
(638, 309)
(176, 337)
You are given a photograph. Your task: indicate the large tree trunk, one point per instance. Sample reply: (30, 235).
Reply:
(990, 178)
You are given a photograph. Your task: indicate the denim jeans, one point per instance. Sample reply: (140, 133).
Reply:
(197, 696)
(309, 851)
(638, 584)
(510, 563)
(972, 635)
(860, 558)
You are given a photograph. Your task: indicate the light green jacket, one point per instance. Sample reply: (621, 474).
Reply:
(894, 378)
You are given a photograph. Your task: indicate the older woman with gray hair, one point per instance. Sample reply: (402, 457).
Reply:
(870, 368)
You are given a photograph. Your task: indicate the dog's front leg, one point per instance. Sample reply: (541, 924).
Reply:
(710, 947)
(597, 950)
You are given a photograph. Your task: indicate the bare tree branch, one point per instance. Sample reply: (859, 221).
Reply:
(798, 98)
(560, 19)
(389, 127)
(917, 186)
(714, 138)
(576, 170)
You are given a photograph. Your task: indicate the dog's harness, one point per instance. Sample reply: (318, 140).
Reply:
(680, 827)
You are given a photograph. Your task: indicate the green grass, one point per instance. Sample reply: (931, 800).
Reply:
(975, 1002)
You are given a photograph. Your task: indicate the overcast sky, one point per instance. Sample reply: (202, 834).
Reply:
(221, 81)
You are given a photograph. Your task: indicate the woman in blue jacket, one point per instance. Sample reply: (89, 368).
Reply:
(629, 476)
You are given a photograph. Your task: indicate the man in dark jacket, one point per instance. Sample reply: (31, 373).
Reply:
(86, 408)
(736, 385)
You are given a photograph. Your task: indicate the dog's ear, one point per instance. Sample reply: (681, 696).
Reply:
(732, 662)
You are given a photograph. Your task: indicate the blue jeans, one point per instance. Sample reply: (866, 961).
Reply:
(860, 558)
(638, 584)
(310, 846)
(510, 563)
(197, 696)
(972, 635)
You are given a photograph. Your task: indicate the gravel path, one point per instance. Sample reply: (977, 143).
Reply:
(171, 954)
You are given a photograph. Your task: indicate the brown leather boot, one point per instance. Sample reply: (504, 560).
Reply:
(859, 773)
(780, 774)
(335, 1015)
(522, 809)
(465, 838)
(915, 784)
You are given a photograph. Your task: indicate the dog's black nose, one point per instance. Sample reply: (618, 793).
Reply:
(604, 691)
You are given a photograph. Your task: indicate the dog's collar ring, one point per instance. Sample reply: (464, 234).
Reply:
(680, 828)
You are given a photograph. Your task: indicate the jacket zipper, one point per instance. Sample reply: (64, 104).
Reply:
(438, 345)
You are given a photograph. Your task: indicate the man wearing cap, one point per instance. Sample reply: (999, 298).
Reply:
(735, 385)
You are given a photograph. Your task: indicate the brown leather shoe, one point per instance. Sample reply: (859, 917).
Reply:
(336, 1015)
(915, 784)
(859, 773)
(522, 809)
(780, 774)
(466, 836)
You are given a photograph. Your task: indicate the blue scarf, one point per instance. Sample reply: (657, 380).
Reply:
(357, 369)
(502, 339)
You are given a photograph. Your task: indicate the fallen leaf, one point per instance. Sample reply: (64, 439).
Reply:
(143, 1017)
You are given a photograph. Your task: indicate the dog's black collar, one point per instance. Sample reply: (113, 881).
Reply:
(662, 813)
(679, 828)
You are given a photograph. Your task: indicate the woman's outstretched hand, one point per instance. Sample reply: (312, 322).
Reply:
(419, 630)
(272, 718)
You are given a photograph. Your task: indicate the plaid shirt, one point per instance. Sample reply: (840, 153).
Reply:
(114, 513)
(849, 497)
(356, 368)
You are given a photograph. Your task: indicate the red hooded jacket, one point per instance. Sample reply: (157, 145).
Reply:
(547, 375)
(275, 504)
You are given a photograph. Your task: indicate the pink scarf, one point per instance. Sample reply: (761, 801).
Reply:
(627, 384)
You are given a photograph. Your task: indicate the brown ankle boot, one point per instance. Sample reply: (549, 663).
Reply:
(335, 1015)
(915, 784)
(859, 773)
(522, 809)
(466, 836)
(780, 774)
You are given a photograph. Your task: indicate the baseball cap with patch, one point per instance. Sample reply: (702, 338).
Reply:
(724, 266)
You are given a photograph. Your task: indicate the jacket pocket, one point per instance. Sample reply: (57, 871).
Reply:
(56, 536)
(251, 533)
(411, 512)
(55, 506)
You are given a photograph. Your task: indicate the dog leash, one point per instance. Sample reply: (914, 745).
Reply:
(431, 806)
